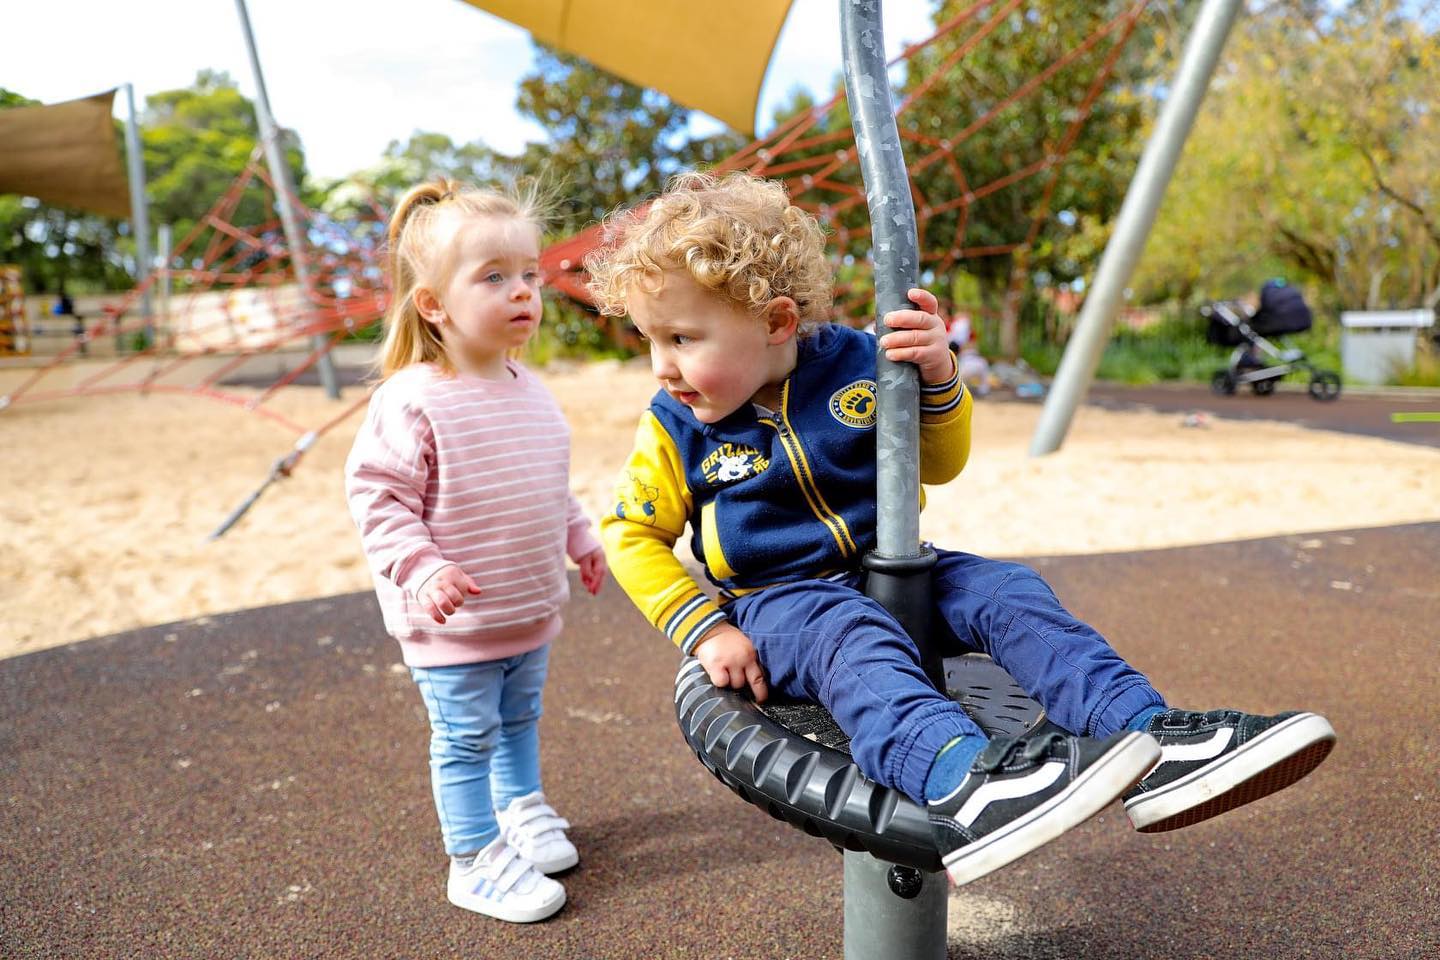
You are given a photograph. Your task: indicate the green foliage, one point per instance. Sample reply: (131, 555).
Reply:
(1092, 180)
(425, 156)
(569, 331)
(1173, 349)
(1424, 372)
(1170, 350)
(608, 142)
(1317, 154)
(1067, 185)
(196, 141)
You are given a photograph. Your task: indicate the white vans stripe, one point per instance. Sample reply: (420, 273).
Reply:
(971, 809)
(1208, 750)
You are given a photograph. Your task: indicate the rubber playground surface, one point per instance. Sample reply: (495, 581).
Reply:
(1364, 414)
(255, 785)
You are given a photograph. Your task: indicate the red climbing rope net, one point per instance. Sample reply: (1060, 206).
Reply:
(814, 152)
(229, 293)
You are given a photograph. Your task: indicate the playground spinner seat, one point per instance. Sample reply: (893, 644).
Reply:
(789, 758)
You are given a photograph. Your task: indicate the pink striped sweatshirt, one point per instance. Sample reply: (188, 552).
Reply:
(461, 469)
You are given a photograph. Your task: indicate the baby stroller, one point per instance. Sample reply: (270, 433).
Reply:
(1255, 359)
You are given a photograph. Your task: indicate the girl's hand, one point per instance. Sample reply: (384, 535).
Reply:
(919, 338)
(592, 570)
(729, 659)
(445, 592)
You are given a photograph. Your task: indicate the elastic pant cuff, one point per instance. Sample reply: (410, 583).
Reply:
(929, 732)
(1111, 716)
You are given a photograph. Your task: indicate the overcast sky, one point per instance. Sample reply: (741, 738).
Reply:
(352, 75)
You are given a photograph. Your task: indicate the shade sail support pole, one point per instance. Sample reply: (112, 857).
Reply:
(139, 212)
(1132, 226)
(284, 194)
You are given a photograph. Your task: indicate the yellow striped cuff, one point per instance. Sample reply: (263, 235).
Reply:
(941, 401)
(687, 619)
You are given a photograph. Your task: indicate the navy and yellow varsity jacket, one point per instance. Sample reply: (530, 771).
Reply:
(771, 496)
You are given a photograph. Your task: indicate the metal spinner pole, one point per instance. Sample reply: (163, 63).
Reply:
(890, 911)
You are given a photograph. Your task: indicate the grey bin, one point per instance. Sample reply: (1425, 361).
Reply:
(1376, 344)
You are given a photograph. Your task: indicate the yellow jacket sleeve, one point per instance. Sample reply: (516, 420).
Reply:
(652, 507)
(945, 412)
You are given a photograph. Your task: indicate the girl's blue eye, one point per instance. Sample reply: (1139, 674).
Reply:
(494, 278)
(680, 339)
(532, 275)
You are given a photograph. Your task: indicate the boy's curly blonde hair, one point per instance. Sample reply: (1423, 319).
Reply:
(737, 236)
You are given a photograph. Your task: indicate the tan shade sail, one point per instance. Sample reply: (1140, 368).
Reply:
(65, 154)
(707, 58)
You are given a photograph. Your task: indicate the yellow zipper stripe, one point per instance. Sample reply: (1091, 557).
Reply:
(839, 520)
(806, 480)
(805, 490)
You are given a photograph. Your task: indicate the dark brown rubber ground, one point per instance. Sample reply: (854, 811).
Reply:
(255, 785)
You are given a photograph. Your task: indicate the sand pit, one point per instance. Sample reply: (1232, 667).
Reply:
(108, 500)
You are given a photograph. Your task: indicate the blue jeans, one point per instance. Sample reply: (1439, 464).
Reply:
(484, 741)
(826, 641)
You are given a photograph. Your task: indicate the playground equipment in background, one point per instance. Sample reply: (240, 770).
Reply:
(226, 294)
(814, 153)
(1282, 310)
(14, 333)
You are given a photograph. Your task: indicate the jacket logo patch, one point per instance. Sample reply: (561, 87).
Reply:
(854, 405)
(635, 500)
(733, 461)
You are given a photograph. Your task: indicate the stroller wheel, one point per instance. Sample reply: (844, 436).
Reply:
(1223, 382)
(1263, 388)
(1325, 385)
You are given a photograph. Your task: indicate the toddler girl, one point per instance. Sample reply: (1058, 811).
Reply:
(459, 483)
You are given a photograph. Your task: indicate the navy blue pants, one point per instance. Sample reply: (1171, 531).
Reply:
(825, 641)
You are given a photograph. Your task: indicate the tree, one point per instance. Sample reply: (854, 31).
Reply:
(609, 142)
(1317, 152)
(196, 141)
(998, 129)
(425, 156)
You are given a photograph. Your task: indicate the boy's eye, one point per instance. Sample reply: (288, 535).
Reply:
(532, 275)
(680, 339)
(493, 278)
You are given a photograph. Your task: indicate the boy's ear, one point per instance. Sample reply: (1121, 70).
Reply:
(429, 305)
(782, 319)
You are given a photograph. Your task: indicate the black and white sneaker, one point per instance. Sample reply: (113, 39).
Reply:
(1022, 793)
(1214, 762)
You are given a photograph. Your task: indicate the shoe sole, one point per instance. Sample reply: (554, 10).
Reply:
(1117, 770)
(533, 914)
(1272, 761)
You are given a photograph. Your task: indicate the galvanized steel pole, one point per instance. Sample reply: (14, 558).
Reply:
(139, 211)
(890, 911)
(1132, 226)
(284, 190)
